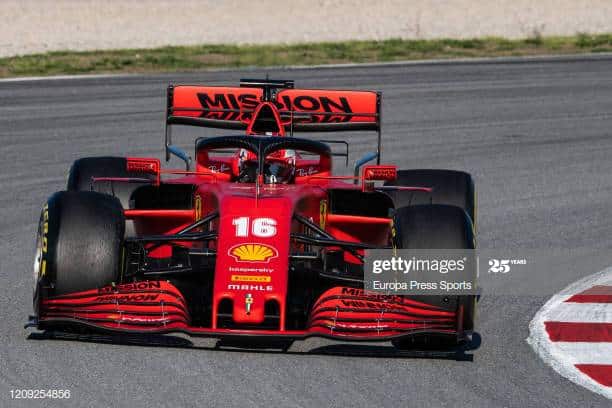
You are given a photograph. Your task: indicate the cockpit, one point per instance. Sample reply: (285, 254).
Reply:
(276, 160)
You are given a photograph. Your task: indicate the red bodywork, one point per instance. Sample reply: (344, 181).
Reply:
(255, 223)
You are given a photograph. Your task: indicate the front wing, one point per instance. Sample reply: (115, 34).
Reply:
(159, 307)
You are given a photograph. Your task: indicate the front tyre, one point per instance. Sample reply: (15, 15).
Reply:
(436, 226)
(79, 243)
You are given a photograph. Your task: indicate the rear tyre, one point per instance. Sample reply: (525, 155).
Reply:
(450, 187)
(436, 226)
(84, 170)
(79, 242)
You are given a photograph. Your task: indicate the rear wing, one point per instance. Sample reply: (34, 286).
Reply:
(299, 110)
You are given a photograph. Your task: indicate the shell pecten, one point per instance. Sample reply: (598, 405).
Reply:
(253, 252)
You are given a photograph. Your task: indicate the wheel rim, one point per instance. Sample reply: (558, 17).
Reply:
(38, 255)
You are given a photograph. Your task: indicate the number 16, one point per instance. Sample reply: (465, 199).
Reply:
(262, 227)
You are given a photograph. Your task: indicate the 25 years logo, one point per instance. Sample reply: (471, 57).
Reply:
(499, 265)
(503, 265)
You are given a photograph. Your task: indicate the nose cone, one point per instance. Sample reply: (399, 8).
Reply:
(252, 256)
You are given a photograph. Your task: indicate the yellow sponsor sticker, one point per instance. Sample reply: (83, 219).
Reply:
(251, 278)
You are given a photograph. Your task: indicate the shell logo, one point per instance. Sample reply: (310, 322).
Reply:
(253, 252)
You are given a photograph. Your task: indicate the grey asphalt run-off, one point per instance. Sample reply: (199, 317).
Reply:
(537, 136)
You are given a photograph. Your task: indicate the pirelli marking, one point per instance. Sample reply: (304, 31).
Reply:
(251, 278)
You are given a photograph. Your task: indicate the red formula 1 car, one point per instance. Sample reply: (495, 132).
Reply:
(257, 240)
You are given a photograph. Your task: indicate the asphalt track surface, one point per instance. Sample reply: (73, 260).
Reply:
(537, 136)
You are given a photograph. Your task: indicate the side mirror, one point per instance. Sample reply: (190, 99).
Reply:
(180, 153)
(175, 150)
(368, 157)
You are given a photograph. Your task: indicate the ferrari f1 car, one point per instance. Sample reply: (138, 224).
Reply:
(256, 238)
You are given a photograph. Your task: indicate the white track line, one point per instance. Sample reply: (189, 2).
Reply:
(447, 61)
(67, 77)
(582, 312)
(584, 353)
(540, 342)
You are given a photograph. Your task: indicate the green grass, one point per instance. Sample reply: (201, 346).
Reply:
(203, 57)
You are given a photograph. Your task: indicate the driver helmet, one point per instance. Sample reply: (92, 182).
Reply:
(280, 168)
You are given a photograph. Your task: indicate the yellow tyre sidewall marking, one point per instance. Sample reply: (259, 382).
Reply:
(45, 241)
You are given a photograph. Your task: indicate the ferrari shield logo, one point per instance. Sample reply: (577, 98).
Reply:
(198, 207)
(323, 214)
(248, 301)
